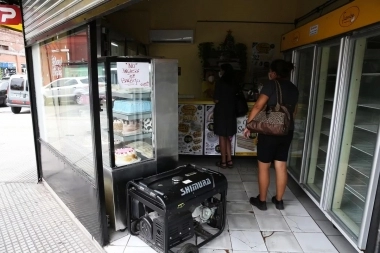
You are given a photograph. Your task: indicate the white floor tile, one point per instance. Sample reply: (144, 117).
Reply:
(238, 196)
(121, 242)
(249, 178)
(139, 250)
(251, 186)
(134, 241)
(281, 242)
(114, 249)
(341, 244)
(242, 222)
(294, 209)
(202, 250)
(327, 227)
(247, 240)
(272, 223)
(236, 186)
(302, 224)
(272, 210)
(244, 171)
(223, 242)
(229, 171)
(233, 177)
(315, 242)
(238, 207)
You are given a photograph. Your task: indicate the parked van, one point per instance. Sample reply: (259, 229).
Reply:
(18, 93)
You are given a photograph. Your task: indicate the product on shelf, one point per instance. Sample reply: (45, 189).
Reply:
(195, 126)
(117, 126)
(144, 148)
(131, 127)
(147, 125)
(245, 143)
(125, 155)
(128, 107)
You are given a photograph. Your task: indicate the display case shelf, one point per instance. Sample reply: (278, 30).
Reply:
(134, 116)
(321, 167)
(127, 138)
(362, 167)
(327, 116)
(365, 147)
(370, 74)
(326, 133)
(372, 128)
(375, 106)
(323, 148)
(329, 99)
(145, 95)
(359, 191)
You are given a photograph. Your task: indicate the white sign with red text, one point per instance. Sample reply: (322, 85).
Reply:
(133, 74)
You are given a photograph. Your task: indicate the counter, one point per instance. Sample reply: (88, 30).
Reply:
(196, 135)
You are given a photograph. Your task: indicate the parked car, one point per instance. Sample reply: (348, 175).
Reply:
(3, 92)
(18, 93)
(69, 89)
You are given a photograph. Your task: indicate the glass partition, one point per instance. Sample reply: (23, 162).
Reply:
(304, 71)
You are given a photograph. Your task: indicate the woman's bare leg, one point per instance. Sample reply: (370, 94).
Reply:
(223, 148)
(263, 179)
(228, 148)
(281, 178)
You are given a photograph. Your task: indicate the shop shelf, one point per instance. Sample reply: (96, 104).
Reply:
(359, 191)
(373, 128)
(365, 147)
(134, 116)
(329, 99)
(321, 167)
(134, 137)
(323, 148)
(132, 95)
(327, 133)
(370, 74)
(362, 167)
(327, 116)
(370, 105)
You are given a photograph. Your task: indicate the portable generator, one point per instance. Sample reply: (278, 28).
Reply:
(168, 209)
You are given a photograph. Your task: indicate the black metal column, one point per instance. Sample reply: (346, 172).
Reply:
(96, 131)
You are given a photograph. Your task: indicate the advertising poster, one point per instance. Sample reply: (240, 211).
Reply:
(211, 146)
(190, 129)
(245, 146)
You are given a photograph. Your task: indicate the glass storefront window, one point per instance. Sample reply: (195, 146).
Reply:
(303, 82)
(62, 95)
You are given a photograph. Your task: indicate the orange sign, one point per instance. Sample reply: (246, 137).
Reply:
(350, 17)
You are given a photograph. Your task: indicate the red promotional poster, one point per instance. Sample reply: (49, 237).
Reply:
(10, 15)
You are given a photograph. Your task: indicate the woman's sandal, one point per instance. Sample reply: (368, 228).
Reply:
(221, 165)
(230, 165)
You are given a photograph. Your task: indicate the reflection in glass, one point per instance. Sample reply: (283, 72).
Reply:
(62, 90)
(303, 82)
(329, 57)
(360, 134)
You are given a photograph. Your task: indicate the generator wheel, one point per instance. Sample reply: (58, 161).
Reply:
(188, 248)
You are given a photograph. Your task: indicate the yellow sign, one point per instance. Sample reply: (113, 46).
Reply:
(14, 27)
(352, 16)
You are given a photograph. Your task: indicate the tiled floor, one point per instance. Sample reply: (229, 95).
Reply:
(301, 227)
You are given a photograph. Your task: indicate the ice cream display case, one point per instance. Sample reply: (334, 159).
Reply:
(139, 123)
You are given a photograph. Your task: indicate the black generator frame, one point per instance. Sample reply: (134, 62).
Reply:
(133, 191)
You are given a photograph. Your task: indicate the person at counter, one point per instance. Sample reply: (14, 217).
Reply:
(208, 85)
(225, 125)
(269, 147)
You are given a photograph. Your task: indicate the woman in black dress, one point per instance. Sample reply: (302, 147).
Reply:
(224, 113)
(272, 148)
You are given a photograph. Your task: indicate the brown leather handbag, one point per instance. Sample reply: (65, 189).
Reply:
(272, 120)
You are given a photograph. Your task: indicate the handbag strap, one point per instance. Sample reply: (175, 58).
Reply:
(278, 92)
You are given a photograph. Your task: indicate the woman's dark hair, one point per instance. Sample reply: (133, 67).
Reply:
(229, 75)
(282, 68)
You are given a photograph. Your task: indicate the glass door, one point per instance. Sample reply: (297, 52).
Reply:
(326, 79)
(304, 73)
(357, 175)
